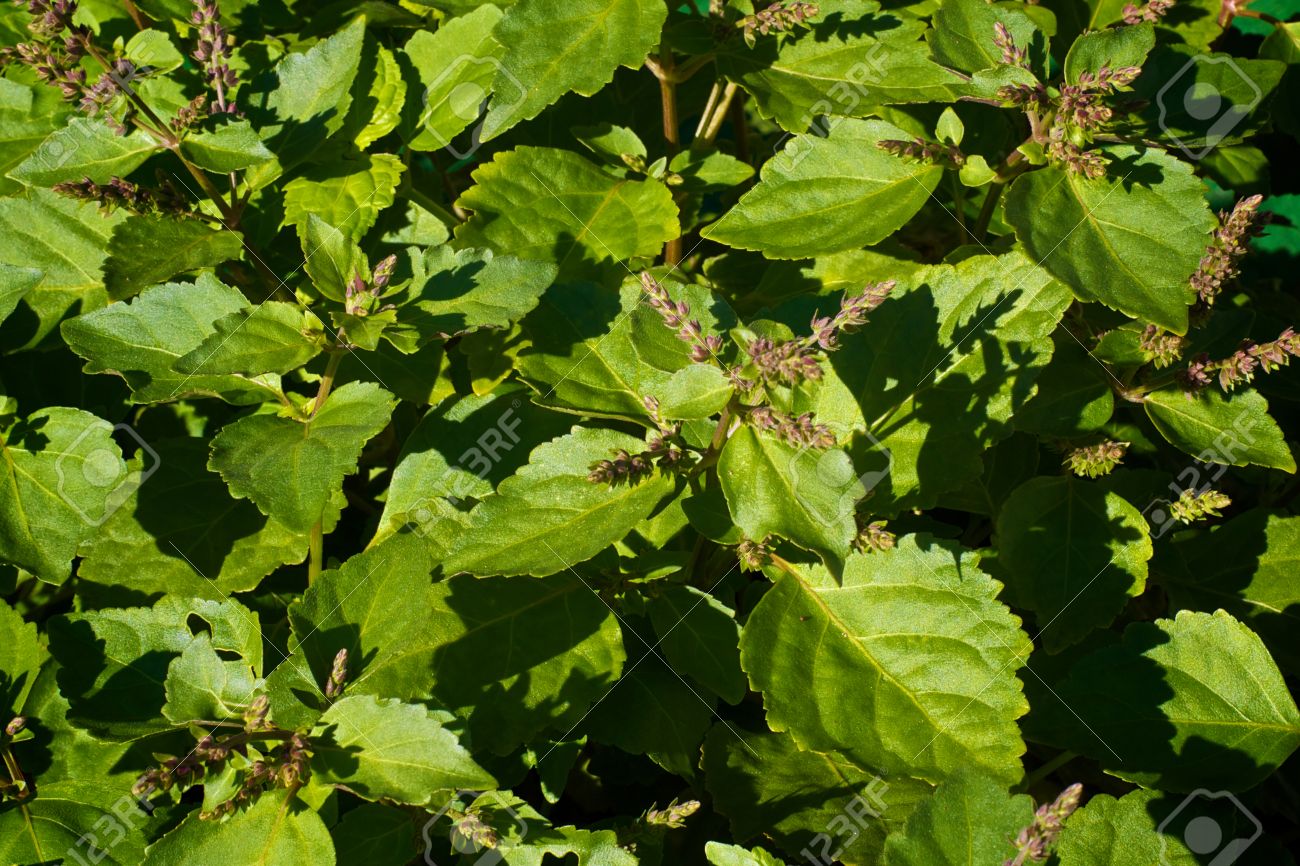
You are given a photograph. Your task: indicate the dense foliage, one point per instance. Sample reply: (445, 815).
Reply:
(618, 431)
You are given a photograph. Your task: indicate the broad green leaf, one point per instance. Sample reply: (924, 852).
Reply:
(27, 114)
(695, 392)
(146, 250)
(1184, 703)
(62, 477)
(548, 516)
(801, 494)
(1233, 429)
(376, 606)
(71, 821)
(462, 449)
(1247, 566)
(566, 650)
(21, 657)
(941, 368)
(15, 283)
(154, 49)
(597, 354)
(820, 802)
(385, 749)
(841, 67)
(550, 51)
(269, 338)
(916, 640)
(824, 195)
(652, 711)
(306, 99)
(700, 638)
(962, 34)
(456, 65)
(67, 241)
(455, 292)
(279, 829)
(970, 820)
(555, 206)
(203, 686)
(182, 532)
(734, 855)
(348, 195)
(1130, 240)
(1076, 393)
(384, 100)
(1074, 553)
(289, 468)
(331, 258)
(232, 146)
(709, 170)
(114, 662)
(86, 147)
(525, 838)
(142, 340)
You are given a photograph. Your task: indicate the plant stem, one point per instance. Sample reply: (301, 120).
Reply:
(1048, 769)
(708, 110)
(959, 200)
(714, 125)
(15, 774)
(981, 228)
(672, 135)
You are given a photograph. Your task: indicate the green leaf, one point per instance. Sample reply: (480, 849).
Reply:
(62, 477)
(695, 392)
(961, 36)
(566, 650)
(86, 147)
(456, 65)
(21, 657)
(1247, 567)
(548, 516)
(804, 800)
(376, 606)
(1184, 703)
(384, 100)
(154, 49)
(67, 241)
(348, 195)
(279, 829)
(941, 368)
(141, 341)
(699, 637)
(969, 820)
(232, 146)
(1130, 241)
(844, 67)
(1233, 429)
(27, 114)
(555, 206)
(824, 195)
(1075, 393)
(71, 820)
(307, 99)
(801, 494)
(289, 468)
(114, 662)
(549, 53)
(455, 292)
(377, 835)
(1113, 48)
(331, 258)
(162, 538)
(915, 639)
(146, 250)
(1070, 545)
(385, 749)
(15, 283)
(734, 855)
(202, 685)
(268, 338)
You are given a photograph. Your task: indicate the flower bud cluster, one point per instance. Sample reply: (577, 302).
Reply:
(56, 47)
(1219, 264)
(663, 450)
(753, 555)
(1240, 367)
(1035, 841)
(131, 197)
(1093, 461)
(1075, 159)
(874, 537)
(213, 53)
(776, 18)
(1023, 94)
(1011, 54)
(1151, 12)
(338, 676)
(788, 361)
(677, 315)
(1080, 112)
(1192, 506)
(360, 296)
(946, 155)
(673, 816)
(801, 431)
(852, 315)
(1161, 348)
